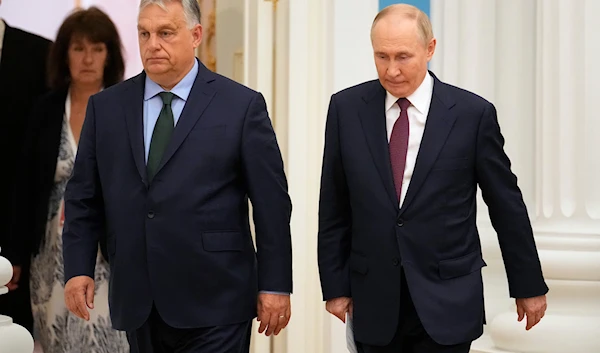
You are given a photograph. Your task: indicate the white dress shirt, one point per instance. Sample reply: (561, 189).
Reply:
(417, 116)
(2, 30)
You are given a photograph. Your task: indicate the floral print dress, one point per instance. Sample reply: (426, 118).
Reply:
(57, 329)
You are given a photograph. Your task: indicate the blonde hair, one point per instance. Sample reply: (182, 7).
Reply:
(408, 12)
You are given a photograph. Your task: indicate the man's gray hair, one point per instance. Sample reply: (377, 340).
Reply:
(191, 9)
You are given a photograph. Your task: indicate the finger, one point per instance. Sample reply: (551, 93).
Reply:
(273, 320)
(538, 318)
(80, 304)
(77, 308)
(520, 312)
(89, 295)
(544, 310)
(285, 320)
(281, 322)
(530, 321)
(341, 315)
(288, 315)
(12, 286)
(263, 323)
(72, 305)
(351, 308)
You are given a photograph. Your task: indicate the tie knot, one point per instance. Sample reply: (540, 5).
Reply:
(403, 103)
(166, 97)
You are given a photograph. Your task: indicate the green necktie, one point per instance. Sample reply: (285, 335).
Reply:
(161, 135)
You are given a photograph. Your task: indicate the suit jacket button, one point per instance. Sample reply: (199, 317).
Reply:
(400, 222)
(396, 262)
(151, 214)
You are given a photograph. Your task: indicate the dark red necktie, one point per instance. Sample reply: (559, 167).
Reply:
(399, 145)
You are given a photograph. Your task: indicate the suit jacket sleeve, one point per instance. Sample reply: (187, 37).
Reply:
(84, 206)
(26, 223)
(267, 189)
(507, 211)
(335, 219)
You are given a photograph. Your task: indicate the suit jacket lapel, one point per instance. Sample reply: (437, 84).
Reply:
(440, 120)
(200, 96)
(134, 101)
(372, 117)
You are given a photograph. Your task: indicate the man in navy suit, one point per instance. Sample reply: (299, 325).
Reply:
(166, 164)
(399, 249)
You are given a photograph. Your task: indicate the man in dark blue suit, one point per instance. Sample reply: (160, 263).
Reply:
(165, 166)
(399, 249)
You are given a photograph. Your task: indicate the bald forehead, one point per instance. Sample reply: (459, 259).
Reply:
(397, 12)
(402, 19)
(392, 27)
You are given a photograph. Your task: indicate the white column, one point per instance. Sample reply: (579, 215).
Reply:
(567, 225)
(543, 79)
(306, 92)
(327, 49)
(488, 47)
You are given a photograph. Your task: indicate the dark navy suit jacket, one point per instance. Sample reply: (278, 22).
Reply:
(182, 242)
(365, 238)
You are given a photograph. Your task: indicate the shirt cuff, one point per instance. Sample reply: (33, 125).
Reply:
(271, 292)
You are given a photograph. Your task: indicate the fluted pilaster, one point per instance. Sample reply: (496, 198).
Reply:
(544, 80)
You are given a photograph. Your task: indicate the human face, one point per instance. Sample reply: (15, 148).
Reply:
(87, 61)
(401, 56)
(167, 45)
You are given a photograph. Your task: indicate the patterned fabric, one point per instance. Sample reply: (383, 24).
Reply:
(57, 329)
(399, 145)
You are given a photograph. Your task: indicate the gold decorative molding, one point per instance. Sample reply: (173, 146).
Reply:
(206, 50)
(274, 3)
(238, 66)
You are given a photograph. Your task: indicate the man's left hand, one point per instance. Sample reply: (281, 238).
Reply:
(274, 312)
(534, 308)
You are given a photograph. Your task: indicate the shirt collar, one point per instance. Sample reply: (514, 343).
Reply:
(181, 90)
(420, 99)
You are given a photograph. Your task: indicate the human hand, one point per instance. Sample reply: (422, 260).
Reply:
(274, 312)
(14, 281)
(534, 308)
(339, 307)
(79, 296)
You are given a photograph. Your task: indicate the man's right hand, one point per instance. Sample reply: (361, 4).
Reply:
(79, 296)
(14, 281)
(339, 307)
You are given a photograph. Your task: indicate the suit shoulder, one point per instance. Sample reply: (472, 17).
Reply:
(231, 87)
(357, 91)
(464, 96)
(114, 91)
(28, 38)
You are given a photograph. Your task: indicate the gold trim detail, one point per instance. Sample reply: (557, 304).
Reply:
(206, 51)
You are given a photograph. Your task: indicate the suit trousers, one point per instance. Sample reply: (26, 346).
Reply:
(411, 336)
(156, 336)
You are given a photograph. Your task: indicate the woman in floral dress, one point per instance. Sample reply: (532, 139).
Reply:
(85, 58)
